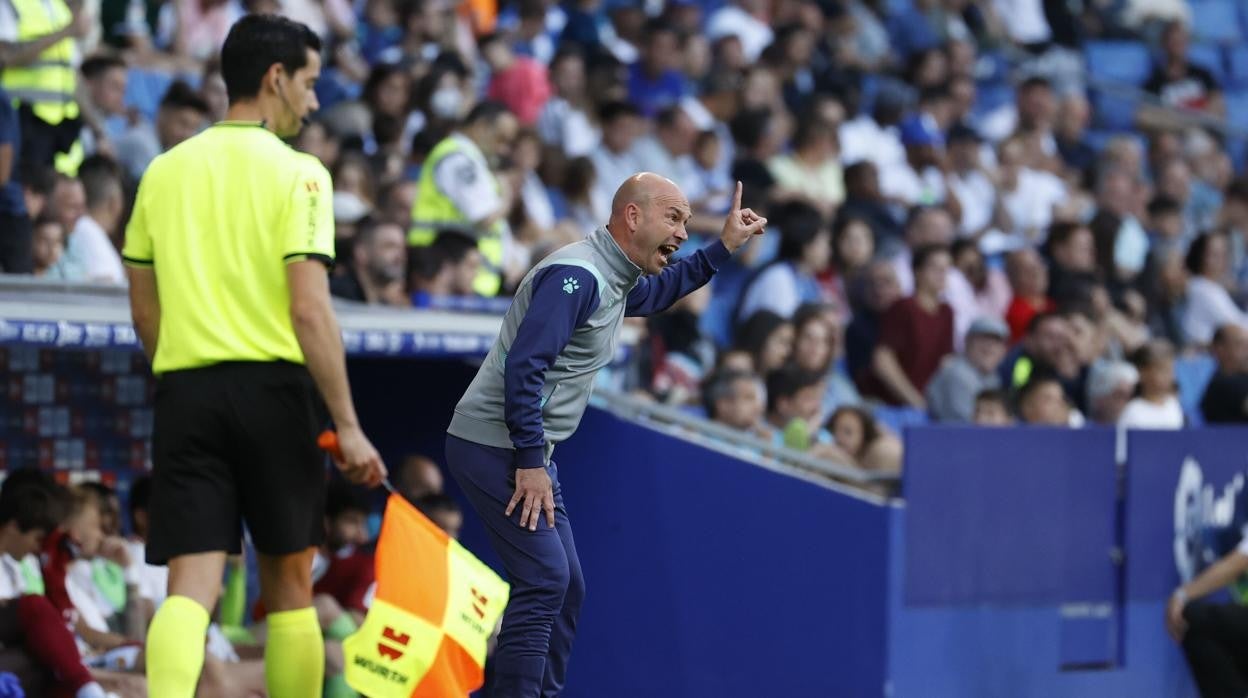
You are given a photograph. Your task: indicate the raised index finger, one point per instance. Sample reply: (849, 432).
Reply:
(736, 198)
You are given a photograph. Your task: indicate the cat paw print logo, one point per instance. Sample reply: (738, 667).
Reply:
(570, 285)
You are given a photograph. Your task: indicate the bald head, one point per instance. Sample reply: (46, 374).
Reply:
(648, 217)
(641, 189)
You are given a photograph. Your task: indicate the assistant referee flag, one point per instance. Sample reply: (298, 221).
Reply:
(435, 607)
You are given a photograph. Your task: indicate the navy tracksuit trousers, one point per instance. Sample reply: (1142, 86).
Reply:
(531, 660)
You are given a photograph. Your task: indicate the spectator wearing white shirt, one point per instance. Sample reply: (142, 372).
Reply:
(1155, 406)
(746, 20)
(919, 181)
(28, 513)
(874, 136)
(1029, 197)
(1209, 304)
(90, 255)
(1110, 387)
(669, 151)
(970, 184)
(614, 161)
(789, 281)
(565, 122)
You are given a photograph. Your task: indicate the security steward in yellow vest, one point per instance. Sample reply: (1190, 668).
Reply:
(40, 61)
(459, 193)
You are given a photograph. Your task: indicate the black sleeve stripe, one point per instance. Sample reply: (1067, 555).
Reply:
(135, 262)
(309, 256)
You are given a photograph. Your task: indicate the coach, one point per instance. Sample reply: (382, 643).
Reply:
(531, 391)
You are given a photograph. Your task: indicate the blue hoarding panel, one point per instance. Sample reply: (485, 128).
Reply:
(1009, 515)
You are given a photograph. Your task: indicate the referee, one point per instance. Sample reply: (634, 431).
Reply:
(227, 252)
(531, 391)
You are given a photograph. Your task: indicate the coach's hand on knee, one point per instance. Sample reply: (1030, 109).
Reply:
(360, 462)
(533, 487)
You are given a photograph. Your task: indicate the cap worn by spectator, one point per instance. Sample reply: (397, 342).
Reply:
(989, 326)
(920, 131)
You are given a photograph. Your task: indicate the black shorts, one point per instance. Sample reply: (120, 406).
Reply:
(236, 442)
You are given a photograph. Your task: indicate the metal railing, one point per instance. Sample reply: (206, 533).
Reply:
(673, 421)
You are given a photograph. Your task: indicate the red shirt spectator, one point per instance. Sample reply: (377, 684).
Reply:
(519, 82)
(348, 577)
(1022, 311)
(916, 333)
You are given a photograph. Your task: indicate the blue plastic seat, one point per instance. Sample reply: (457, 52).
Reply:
(1192, 373)
(1217, 21)
(1237, 107)
(898, 418)
(1209, 57)
(1237, 64)
(1118, 61)
(145, 89)
(1113, 111)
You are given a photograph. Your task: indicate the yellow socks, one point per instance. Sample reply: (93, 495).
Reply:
(294, 655)
(175, 648)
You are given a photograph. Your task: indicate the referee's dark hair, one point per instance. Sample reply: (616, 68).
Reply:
(254, 44)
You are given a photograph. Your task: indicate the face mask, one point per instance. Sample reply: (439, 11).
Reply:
(445, 102)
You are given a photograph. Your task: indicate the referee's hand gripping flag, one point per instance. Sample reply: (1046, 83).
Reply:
(435, 608)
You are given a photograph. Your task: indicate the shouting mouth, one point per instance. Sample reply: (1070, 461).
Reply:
(666, 252)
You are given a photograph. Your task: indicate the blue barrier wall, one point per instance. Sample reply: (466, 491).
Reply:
(708, 577)
(1001, 581)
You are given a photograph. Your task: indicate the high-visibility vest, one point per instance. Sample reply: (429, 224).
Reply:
(434, 212)
(46, 84)
(435, 607)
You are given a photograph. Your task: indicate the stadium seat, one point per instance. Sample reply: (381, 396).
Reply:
(990, 96)
(1192, 373)
(1113, 111)
(1237, 63)
(145, 89)
(1217, 21)
(1209, 57)
(1126, 62)
(898, 418)
(1237, 108)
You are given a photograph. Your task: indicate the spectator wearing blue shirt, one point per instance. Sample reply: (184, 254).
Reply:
(655, 82)
(15, 230)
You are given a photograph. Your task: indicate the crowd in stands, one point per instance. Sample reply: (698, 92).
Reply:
(76, 596)
(956, 232)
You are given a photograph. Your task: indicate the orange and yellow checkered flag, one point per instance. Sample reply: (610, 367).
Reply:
(436, 605)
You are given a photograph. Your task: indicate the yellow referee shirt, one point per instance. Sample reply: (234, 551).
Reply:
(219, 217)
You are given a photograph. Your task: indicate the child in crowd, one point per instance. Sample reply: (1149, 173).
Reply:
(868, 445)
(1156, 406)
(992, 409)
(48, 244)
